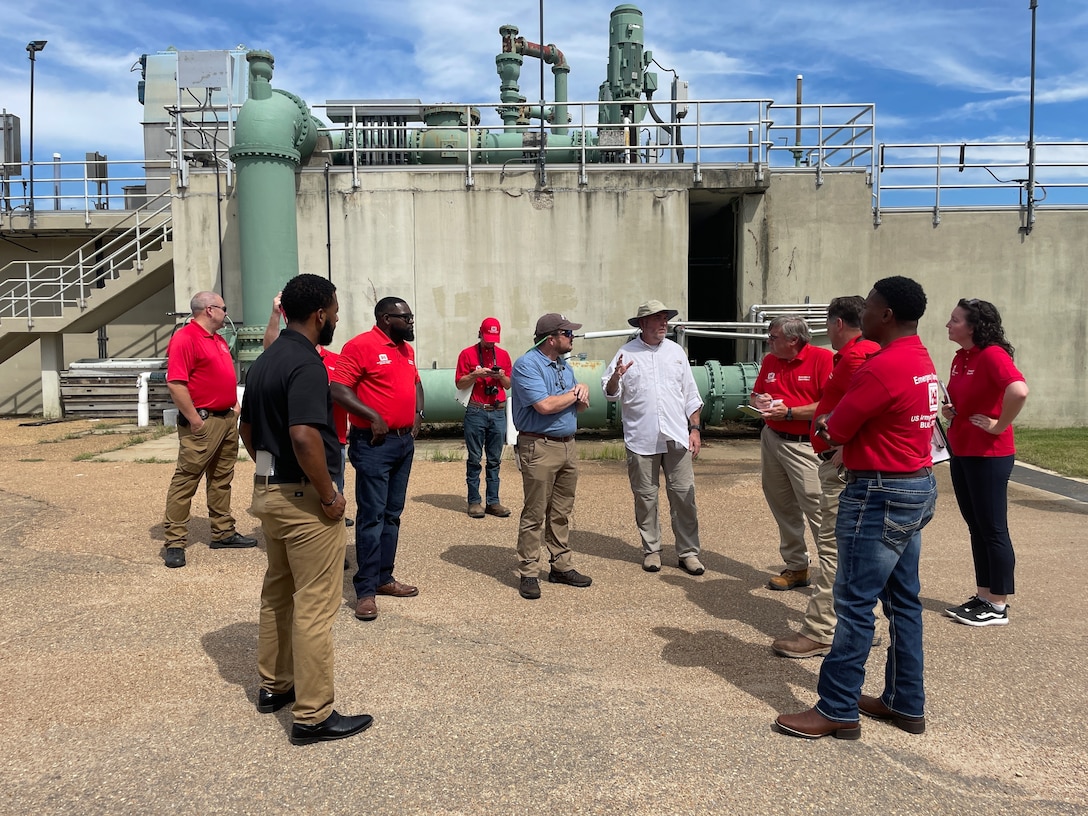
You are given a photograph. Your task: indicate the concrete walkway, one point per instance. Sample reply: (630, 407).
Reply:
(129, 688)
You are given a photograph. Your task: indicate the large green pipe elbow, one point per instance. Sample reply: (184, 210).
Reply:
(274, 134)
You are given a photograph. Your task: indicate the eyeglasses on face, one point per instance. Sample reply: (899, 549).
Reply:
(216, 306)
(564, 332)
(407, 318)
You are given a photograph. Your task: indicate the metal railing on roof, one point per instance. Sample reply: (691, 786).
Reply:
(32, 289)
(977, 175)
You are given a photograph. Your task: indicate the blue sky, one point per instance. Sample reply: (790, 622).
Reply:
(937, 71)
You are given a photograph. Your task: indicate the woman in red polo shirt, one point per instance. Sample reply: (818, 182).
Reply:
(986, 392)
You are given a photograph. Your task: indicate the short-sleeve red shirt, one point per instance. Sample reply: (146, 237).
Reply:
(474, 356)
(885, 418)
(847, 360)
(977, 386)
(339, 413)
(202, 361)
(383, 376)
(799, 381)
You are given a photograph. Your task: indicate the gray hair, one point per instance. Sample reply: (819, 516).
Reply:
(792, 326)
(201, 301)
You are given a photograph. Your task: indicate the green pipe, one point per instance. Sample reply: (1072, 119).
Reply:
(274, 134)
(722, 387)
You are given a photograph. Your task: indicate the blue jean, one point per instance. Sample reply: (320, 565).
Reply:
(879, 532)
(485, 435)
(982, 492)
(381, 483)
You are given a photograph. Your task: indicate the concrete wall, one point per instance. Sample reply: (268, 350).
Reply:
(459, 255)
(802, 241)
(595, 251)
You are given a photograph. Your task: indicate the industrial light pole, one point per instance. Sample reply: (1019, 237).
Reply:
(1030, 215)
(32, 48)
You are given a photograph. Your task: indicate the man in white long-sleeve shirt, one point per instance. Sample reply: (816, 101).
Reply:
(660, 402)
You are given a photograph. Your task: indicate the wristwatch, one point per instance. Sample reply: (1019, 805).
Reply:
(789, 414)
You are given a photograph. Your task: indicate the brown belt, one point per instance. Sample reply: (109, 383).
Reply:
(854, 475)
(545, 436)
(487, 406)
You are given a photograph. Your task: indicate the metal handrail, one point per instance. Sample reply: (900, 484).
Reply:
(31, 288)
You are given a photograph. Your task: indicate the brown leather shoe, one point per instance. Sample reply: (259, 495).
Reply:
(789, 579)
(366, 609)
(812, 724)
(874, 707)
(800, 647)
(497, 510)
(398, 590)
(476, 510)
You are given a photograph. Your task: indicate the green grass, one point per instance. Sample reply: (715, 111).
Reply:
(446, 456)
(84, 457)
(605, 453)
(1062, 450)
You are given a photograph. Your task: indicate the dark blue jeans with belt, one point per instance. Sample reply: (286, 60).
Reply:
(879, 532)
(381, 483)
(485, 435)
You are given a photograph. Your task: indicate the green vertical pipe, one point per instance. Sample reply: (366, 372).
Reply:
(274, 133)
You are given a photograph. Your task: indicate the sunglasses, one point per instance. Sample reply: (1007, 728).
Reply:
(407, 318)
(564, 332)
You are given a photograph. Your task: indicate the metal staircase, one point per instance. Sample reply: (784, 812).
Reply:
(93, 285)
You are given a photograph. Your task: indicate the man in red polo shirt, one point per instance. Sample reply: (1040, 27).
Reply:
(203, 385)
(884, 423)
(790, 384)
(851, 350)
(376, 380)
(486, 369)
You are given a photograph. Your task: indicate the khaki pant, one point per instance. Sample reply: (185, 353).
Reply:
(549, 475)
(644, 471)
(819, 623)
(791, 484)
(212, 451)
(300, 596)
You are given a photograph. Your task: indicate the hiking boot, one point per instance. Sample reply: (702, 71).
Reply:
(570, 578)
(529, 588)
(789, 579)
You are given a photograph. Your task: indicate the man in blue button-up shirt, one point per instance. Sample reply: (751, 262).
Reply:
(546, 403)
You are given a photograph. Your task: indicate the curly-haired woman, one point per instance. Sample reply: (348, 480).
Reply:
(986, 392)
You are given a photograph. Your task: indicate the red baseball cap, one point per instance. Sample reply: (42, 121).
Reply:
(490, 330)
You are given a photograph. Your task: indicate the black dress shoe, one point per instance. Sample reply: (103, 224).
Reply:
(235, 541)
(267, 702)
(337, 726)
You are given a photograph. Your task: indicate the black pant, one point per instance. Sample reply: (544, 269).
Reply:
(982, 488)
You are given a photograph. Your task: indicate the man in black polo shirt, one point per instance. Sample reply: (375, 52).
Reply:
(288, 430)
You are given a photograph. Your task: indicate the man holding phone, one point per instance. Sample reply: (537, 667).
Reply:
(486, 369)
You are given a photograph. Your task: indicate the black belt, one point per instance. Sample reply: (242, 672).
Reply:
(204, 413)
(792, 437)
(391, 432)
(487, 406)
(277, 479)
(545, 436)
(854, 475)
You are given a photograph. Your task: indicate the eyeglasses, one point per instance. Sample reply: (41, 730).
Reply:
(217, 306)
(407, 318)
(564, 332)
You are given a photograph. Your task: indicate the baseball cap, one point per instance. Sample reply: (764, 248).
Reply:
(553, 322)
(490, 330)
